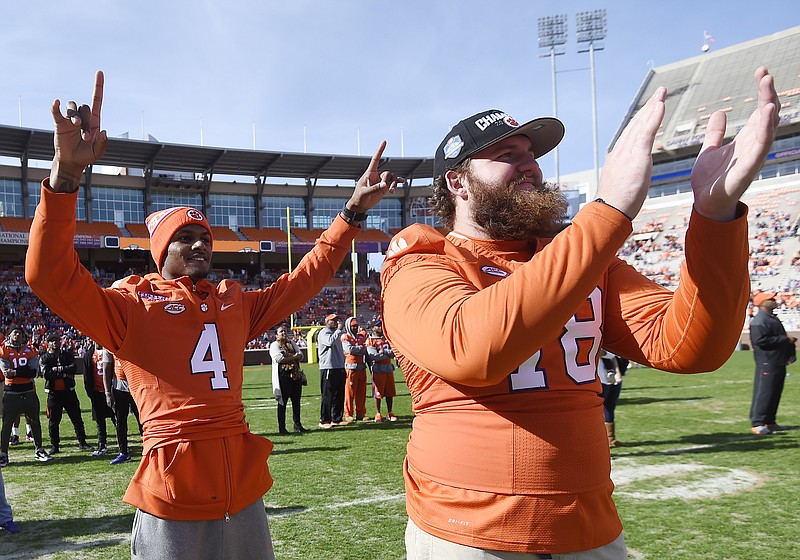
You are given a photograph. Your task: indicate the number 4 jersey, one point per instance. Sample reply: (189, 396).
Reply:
(182, 351)
(499, 342)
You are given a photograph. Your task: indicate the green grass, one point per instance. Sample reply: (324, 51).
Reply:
(692, 483)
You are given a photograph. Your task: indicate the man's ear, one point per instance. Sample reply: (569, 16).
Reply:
(455, 184)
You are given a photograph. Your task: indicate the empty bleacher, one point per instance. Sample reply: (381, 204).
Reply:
(15, 224)
(263, 234)
(222, 233)
(97, 228)
(137, 230)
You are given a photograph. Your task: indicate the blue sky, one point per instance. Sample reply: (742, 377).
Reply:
(321, 75)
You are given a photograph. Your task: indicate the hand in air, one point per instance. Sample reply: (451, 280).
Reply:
(722, 174)
(78, 139)
(372, 186)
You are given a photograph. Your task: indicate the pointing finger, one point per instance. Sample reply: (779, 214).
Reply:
(376, 159)
(97, 97)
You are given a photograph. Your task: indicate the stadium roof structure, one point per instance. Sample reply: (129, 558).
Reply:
(25, 143)
(720, 81)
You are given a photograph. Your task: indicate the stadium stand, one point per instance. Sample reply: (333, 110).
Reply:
(97, 228)
(307, 235)
(137, 230)
(9, 223)
(373, 235)
(221, 233)
(263, 234)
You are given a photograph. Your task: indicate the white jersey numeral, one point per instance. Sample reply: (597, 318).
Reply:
(578, 333)
(207, 357)
(19, 361)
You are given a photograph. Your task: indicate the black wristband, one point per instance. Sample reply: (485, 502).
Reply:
(351, 217)
(601, 201)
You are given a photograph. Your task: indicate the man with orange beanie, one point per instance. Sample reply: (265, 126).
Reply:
(199, 487)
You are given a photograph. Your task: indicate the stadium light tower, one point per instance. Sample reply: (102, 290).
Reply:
(591, 28)
(552, 37)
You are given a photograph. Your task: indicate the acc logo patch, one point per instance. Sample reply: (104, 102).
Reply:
(494, 271)
(453, 147)
(174, 308)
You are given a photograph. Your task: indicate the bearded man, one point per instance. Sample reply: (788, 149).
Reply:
(498, 326)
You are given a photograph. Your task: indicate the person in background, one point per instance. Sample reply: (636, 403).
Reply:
(19, 363)
(331, 372)
(119, 399)
(93, 382)
(7, 522)
(58, 369)
(287, 381)
(773, 350)
(355, 365)
(381, 355)
(610, 370)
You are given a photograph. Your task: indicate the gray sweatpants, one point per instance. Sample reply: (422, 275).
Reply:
(424, 546)
(244, 537)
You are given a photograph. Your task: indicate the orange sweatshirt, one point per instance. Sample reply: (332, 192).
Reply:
(182, 349)
(499, 344)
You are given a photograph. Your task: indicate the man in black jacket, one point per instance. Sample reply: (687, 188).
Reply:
(773, 350)
(58, 368)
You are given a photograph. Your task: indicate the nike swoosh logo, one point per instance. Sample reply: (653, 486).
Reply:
(225, 306)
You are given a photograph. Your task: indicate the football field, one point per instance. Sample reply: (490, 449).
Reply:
(692, 482)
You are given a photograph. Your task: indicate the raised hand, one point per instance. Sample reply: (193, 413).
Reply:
(629, 165)
(372, 186)
(721, 174)
(78, 139)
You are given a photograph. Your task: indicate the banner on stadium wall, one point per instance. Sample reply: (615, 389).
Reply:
(14, 237)
(86, 241)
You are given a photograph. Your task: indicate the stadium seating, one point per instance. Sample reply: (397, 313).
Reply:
(222, 233)
(656, 246)
(307, 235)
(263, 234)
(137, 230)
(97, 228)
(15, 224)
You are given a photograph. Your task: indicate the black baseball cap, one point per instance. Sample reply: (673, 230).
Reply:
(489, 127)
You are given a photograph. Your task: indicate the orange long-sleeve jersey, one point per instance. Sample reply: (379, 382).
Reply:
(182, 348)
(499, 345)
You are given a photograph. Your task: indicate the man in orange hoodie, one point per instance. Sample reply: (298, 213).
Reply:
(497, 327)
(198, 489)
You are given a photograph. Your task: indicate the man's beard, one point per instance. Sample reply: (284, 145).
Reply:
(509, 214)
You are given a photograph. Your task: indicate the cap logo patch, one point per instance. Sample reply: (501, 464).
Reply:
(510, 122)
(494, 271)
(453, 147)
(194, 215)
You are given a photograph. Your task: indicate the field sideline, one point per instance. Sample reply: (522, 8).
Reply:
(692, 483)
